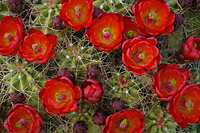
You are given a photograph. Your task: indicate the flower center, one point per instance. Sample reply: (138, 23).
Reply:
(106, 35)
(137, 57)
(8, 37)
(152, 15)
(21, 123)
(150, 19)
(130, 33)
(59, 96)
(168, 85)
(141, 56)
(173, 82)
(189, 104)
(123, 124)
(78, 12)
(195, 45)
(35, 47)
(106, 32)
(18, 124)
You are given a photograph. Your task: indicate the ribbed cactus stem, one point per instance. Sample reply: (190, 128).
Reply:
(47, 21)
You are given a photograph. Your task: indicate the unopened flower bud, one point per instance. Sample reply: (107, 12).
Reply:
(116, 104)
(57, 23)
(17, 97)
(93, 90)
(99, 117)
(80, 127)
(15, 6)
(96, 13)
(67, 73)
(178, 21)
(93, 71)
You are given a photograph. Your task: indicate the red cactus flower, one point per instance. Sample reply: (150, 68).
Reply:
(63, 1)
(185, 107)
(11, 35)
(23, 119)
(153, 17)
(38, 46)
(125, 121)
(105, 32)
(169, 80)
(77, 13)
(189, 50)
(60, 95)
(92, 90)
(140, 55)
(130, 29)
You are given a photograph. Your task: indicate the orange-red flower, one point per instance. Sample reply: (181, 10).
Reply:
(23, 119)
(11, 34)
(105, 32)
(125, 121)
(77, 13)
(169, 80)
(63, 1)
(130, 29)
(92, 90)
(189, 50)
(153, 17)
(140, 55)
(60, 95)
(185, 107)
(38, 46)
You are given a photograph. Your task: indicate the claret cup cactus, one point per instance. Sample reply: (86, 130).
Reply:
(99, 66)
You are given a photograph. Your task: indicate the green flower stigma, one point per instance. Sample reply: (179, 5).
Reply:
(57, 96)
(7, 35)
(141, 56)
(153, 15)
(34, 47)
(130, 33)
(77, 10)
(18, 124)
(189, 105)
(195, 45)
(173, 81)
(124, 122)
(107, 29)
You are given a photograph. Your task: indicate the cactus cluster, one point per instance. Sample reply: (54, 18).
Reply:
(24, 77)
(126, 86)
(159, 121)
(75, 55)
(121, 6)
